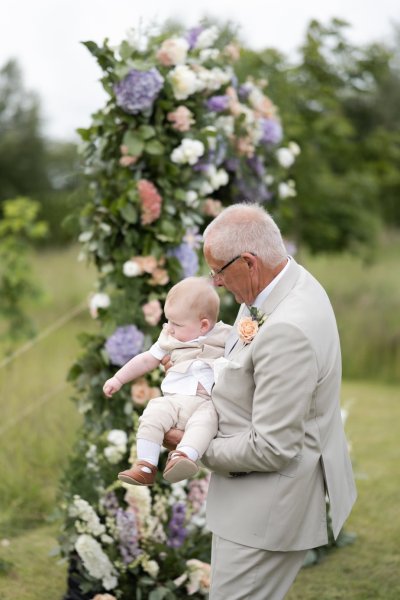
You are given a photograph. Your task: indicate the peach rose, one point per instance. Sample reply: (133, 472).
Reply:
(181, 118)
(160, 277)
(104, 597)
(141, 392)
(152, 312)
(147, 264)
(247, 329)
(127, 161)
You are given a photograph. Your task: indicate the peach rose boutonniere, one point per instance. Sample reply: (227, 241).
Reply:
(248, 326)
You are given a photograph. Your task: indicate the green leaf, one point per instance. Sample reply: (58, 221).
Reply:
(125, 50)
(134, 143)
(146, 132)
(154, 147)
(129, 213)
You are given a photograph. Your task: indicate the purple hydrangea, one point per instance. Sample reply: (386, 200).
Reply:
(177, 531)
(257, 165)
(124, 344)
(271, 131)
(218, 103)
(192, 36)
(188, 258)
(138, 90)
(244, 91)
(127, 535)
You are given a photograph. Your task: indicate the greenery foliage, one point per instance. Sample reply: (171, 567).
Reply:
(19, 228)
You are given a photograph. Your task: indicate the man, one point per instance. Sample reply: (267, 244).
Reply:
(281, 445)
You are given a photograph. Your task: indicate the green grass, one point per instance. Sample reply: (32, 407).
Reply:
(370, 568)
(366, 300)
(38, 421)
(367, 570)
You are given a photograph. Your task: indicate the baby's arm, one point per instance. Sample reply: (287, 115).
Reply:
(137, 366)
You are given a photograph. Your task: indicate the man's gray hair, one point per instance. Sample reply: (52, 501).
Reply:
(245, 228)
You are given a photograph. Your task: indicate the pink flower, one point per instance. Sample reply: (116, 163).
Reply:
(181, 118)
(160, 277)
(197, 494)
(126, 160)
(247, 329)
(141, 392)
(212, 208)
(151, 201)
(152, 312)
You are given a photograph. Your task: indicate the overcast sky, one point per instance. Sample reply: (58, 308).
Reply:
(44, 36)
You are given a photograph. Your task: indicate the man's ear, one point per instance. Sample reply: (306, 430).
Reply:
(250, 259)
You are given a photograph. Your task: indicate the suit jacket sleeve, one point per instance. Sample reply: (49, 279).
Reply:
(285, 377)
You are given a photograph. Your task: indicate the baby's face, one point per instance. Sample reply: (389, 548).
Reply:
(181, 325)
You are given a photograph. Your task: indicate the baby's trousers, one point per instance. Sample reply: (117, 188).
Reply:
(195, 414)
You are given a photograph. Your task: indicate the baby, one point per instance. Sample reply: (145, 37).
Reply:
(194, 340)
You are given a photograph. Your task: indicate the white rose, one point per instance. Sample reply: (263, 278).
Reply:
(131, 269)
(117, 437)
(184, 82)
(294, 148)
(113, 454)
(213, 79)
(207, 37)
(285, 157)
(209, 54)
(286, 189)
(217, 178)
(99, 300)
(188, 152)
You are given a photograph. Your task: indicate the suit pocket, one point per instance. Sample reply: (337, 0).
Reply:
(291, 468)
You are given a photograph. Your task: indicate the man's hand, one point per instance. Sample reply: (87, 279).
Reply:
(166, 362)
(111, 386)
(172, 438)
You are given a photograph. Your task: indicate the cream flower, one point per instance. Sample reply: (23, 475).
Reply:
(173, 52)
(96, 301)
(184, 82)
(130, 268)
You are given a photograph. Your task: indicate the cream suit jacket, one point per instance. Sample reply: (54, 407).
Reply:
(279, 423)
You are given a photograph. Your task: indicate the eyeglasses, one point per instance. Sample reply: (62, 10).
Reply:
(214, 274)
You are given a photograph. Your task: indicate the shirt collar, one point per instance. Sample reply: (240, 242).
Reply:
(263, 295)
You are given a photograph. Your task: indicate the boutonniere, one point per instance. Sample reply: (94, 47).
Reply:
(247, 327)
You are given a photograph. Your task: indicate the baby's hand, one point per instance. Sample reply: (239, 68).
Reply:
(111, 386)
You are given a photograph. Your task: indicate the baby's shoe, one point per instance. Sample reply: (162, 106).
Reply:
(179, 466)
(137, 475)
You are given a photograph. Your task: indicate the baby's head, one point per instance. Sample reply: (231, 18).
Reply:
(191, 308)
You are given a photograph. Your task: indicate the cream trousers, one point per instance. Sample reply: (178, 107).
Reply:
(243, 573)
(195, 414)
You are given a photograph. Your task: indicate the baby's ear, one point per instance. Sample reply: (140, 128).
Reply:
(205, 325)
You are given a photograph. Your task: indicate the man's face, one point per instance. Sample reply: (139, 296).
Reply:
(236, 278)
